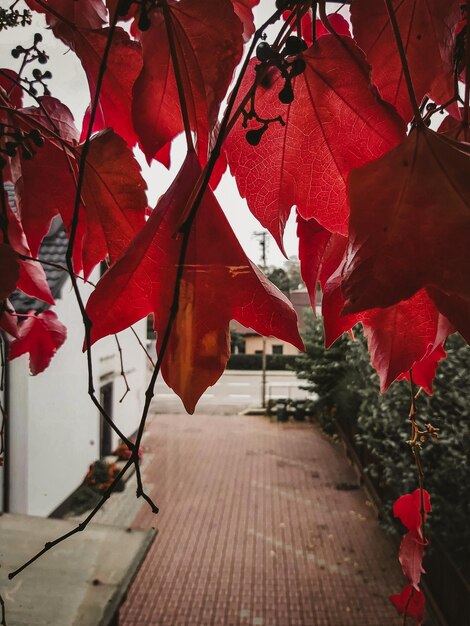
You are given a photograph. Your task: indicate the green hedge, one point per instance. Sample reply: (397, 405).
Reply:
(348, 392)
(254, 362)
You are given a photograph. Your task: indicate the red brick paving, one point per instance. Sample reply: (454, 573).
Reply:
(252, 530)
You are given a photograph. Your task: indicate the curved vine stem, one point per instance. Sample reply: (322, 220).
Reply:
(178, 76)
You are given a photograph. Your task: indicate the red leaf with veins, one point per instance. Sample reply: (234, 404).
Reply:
(82, 13)
(41, 336)
(410, 556)
(337, 23)
(115, 199)
(427, 29)
(218, 284)
(414, 607)
(410, 223)
(334, 124)
(122, 69)
(113, 190)
(209, 44)
(407, 335)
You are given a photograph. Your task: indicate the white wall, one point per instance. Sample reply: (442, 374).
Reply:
(54, 433)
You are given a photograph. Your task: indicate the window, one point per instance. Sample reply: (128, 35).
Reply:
(278, 349)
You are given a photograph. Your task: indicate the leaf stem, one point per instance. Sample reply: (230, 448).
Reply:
(404, 62)
(178, 76)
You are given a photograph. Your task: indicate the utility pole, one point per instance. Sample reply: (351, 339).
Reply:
(263, 243)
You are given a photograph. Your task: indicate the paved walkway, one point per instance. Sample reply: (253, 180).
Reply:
(257, 527)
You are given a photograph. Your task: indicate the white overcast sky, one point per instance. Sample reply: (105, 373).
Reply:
(70, 86)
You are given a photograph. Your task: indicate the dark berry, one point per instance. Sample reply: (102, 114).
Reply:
(37, 38)
(286, 95)
(281, 5)
(297, 67)
(42, 58)
(15, 53)
(36, 138)
(10, 148)
(144, 21)
(47, 74)
(254, 136)
(264, 51)
(294, 45)
(37, 73)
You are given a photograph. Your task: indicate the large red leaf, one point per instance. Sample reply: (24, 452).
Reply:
(410, 556)
(410, 223)
(209, 43)
(218, 284)
(408, 509)
(114, 197)
(41, 336)
(334, 124)
(82, 14)
(406, 336)
(413, 606)
(427, 28)
(123, 66)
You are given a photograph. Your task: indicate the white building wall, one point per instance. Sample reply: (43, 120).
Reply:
(54, 433)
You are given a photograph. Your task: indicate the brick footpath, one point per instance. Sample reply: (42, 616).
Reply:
(253, 530)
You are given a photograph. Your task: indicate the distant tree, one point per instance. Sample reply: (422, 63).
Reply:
(280, 278)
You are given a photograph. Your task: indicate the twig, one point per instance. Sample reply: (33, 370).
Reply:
(178, 77)
(79, 528)
(142, 346)
(123, 373)
(4, 617)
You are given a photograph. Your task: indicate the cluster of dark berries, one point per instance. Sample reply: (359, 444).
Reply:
(12, 17)
(289, 69)
(146, 6)
(32, 53)
(13, 139)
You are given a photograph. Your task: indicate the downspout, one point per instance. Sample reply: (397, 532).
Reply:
(6, 430)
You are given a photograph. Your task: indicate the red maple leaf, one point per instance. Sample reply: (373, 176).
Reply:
(83, 14)
(334, 124)
(413, 606)
(41, 336)
(405, 336)
(428, 33)
(208, 40)
(122, 68)
(9, 88)
(218, 284)
(411, 557)
(410, 224)
(113, 193)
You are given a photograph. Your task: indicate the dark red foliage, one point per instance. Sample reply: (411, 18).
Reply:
(218, 284)
(334, 124)
(208, 40)
(41, 336)
(428, 33)
(413, 606)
